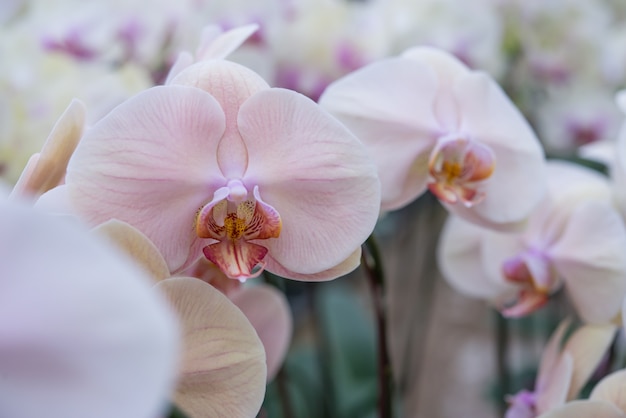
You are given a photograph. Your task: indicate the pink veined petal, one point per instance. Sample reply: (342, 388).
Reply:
(268, 311)
(220, 45)
(585, 409)
(460, 260)
(81, 329)
(518, 181)
(223, 370)
(588, 346)
(554, 394)
(47, 171)
(134, 243)
(389, 105)
(315, 174)
(341, 269)
(590, 258)
(231, 85)
(151, 163)
(611, 389)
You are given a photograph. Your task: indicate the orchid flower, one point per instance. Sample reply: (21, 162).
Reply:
(220, 164)
(223, 371)
(605, 401)
(430, 122)
(575, 239)
(82, 333)
(563, 371)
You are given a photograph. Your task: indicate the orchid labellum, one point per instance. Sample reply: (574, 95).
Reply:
(432, 123)
(218, 163)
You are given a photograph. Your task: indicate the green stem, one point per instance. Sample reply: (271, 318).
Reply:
(502, 347)
(372, 263)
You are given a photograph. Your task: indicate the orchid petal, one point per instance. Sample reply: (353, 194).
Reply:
(184, 60)
(518, 181)
(554, 393)
(588, 346)
(312, 171)
(223, 369)
(161, 142)
(137, 245)
(389, 106)
(268, 311)
(82, 333)
(48, 170)
(57, 201)
(590, 258)
(611, 389)
(460, 260)
(585, 409)
(341, 269)
(551, 354)
(217, 45)
(231, 85)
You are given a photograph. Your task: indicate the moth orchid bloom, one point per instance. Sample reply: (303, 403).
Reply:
(220, 164)
(575, 238)
(432, 123)
(563, 371)
(82, 333)
(223, 370)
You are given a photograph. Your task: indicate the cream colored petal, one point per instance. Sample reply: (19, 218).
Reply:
(587, 345)
(48, 170)
(612, 389)
(585, 409)
(223, 372)
(137, 245)
(554, 393)
(268, 311)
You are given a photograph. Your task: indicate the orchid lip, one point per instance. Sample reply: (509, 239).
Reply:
(458, 168)
(234, 223)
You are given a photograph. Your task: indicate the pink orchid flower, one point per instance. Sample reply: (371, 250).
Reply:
(432, 123)
(223, 369)
(82, 333)
(563, 371)
(575, 239)
(220, 164)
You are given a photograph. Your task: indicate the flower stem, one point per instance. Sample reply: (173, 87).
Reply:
(372, 263)
(502, 346)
